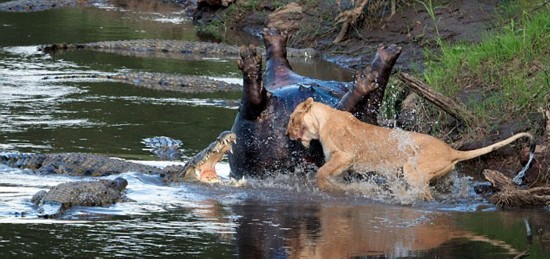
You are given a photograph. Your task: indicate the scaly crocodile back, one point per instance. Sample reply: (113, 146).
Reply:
(165, 148)
(76, 164)
(97, 193)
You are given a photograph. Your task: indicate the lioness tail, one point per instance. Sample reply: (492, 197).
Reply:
(518, 179)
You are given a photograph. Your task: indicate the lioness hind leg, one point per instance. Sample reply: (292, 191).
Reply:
(422, 174)
(416, 179)
(335, 166)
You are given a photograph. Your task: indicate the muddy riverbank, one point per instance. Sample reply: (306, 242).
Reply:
(312, 25)
(36, 6)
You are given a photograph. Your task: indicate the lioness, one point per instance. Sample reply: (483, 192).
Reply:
(349, 143)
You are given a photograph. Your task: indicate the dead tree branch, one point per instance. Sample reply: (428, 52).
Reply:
(453, 108)
(348, 18)
(508, 195)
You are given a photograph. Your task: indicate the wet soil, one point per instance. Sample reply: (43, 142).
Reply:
(415, 30)
(36, 6)
(411, 27)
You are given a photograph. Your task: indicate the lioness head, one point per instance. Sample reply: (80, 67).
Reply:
(299, 126)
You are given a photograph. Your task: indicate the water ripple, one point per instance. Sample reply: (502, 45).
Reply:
(26, 99)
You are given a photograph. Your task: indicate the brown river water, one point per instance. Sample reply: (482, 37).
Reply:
(283, 217)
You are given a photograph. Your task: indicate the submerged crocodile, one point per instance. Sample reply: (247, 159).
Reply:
(164, 48)
(75, 164)
(36, 6)
(59, 198)
(164, 82)
(174, 49)
(199, 168)
(165, 148)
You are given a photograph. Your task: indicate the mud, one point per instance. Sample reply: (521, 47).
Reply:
(411, 27)
(414, 30)
(36, 6)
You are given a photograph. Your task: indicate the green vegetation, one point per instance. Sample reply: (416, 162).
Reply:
(428, 5)
(216, 29)
(507, 73)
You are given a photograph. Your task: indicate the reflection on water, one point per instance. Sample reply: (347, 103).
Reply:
(259, 221)
(282, 218)
(89, 115)
(91, 24)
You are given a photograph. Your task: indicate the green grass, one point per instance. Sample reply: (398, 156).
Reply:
(216, 29)
(509, 69)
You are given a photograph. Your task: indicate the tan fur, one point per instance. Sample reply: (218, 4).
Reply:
(350, 144)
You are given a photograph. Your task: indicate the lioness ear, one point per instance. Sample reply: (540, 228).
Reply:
(308, 103)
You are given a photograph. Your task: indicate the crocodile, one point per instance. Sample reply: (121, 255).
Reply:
(199, 168)
(36, 6)
(159, 48)
(53, 203)
(165, 148)
(162, 81)
(74, 164)
(202, 166)
(164, 48)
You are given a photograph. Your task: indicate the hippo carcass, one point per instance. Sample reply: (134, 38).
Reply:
(269, 98)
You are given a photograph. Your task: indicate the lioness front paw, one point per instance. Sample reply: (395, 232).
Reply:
(324, 184)
(428, 196)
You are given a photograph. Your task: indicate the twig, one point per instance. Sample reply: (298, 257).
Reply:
(528, 230)
(533, 9)
(521, 255)
(348, 18)
(453, 108)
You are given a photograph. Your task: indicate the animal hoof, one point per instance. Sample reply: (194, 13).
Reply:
(366, 80)
(273, 37)
(251, 61)
(389, 54)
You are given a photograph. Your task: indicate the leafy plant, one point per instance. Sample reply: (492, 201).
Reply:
(508, 70)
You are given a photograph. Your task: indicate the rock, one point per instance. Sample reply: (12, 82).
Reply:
(287, 18)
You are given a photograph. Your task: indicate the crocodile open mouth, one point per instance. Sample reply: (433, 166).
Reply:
(205, 167)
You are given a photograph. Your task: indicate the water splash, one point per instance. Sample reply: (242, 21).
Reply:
(518, 179)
